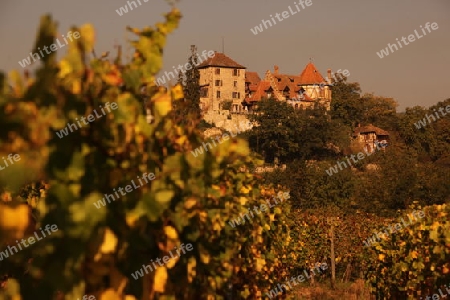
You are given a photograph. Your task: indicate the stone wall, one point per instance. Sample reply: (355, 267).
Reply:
(222, 120)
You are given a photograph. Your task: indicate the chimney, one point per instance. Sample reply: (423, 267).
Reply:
(329, 75)
(275, 68)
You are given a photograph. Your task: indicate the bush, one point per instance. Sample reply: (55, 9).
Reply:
(414, 262)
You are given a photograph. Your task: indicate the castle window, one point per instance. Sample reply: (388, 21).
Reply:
(218, 83)
(235, 72)
(218, 94)
(204, 92)
(217, 71)
(235, 83)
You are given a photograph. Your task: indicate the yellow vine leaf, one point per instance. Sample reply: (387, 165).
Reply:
(87, 33)
(189, 203)
(64, 68)
(76, 87)
(191, 268)
(109, 242)
(177, 92)
(170, 232)
(172, 262)
(260, 263)
(14, 219)
(160, 279)
(163, 104)
(244, 190)
(205, 257)
(109, 294)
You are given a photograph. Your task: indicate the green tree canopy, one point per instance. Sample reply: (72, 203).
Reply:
(290, 134)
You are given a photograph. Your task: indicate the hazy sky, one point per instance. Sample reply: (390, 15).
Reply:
(337, 34)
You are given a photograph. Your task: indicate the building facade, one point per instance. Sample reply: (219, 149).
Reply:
(370, 137)
(222, 80)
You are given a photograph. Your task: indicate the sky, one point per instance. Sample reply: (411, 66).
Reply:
(335, 34)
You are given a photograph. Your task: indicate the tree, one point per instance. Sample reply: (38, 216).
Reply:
(275, 134)
(422, 140)
(290, 134)
(350, 108)
(379, 110)
(190, 81)
(345, 104)
(442, 131)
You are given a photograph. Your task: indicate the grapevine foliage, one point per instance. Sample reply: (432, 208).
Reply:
(191, 199)
(414, 262)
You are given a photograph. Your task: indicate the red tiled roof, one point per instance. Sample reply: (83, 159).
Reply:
(289, 81)
(220, 60)
(261, 89)
(369, 128)
(310, 75)
(253, 79)
(253, 87)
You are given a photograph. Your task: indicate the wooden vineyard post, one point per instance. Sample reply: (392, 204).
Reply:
(333, 263)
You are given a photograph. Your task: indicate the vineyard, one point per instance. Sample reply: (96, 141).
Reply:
(176, 199)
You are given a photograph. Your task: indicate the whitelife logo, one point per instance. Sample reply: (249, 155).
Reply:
(91, 118)
(422, 123)
(30, 239)
(285, 14)
(27, 61)
(10, 158)
(183, 68)
(411, 38)
(416, 215)
(124, 9)
(165, 259)
(128, 189)
(281, 196)
(334, 170)
(436, 296)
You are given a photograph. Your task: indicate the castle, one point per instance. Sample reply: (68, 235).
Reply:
(229, 92)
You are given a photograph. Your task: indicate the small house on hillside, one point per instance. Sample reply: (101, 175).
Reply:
(369, 136)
